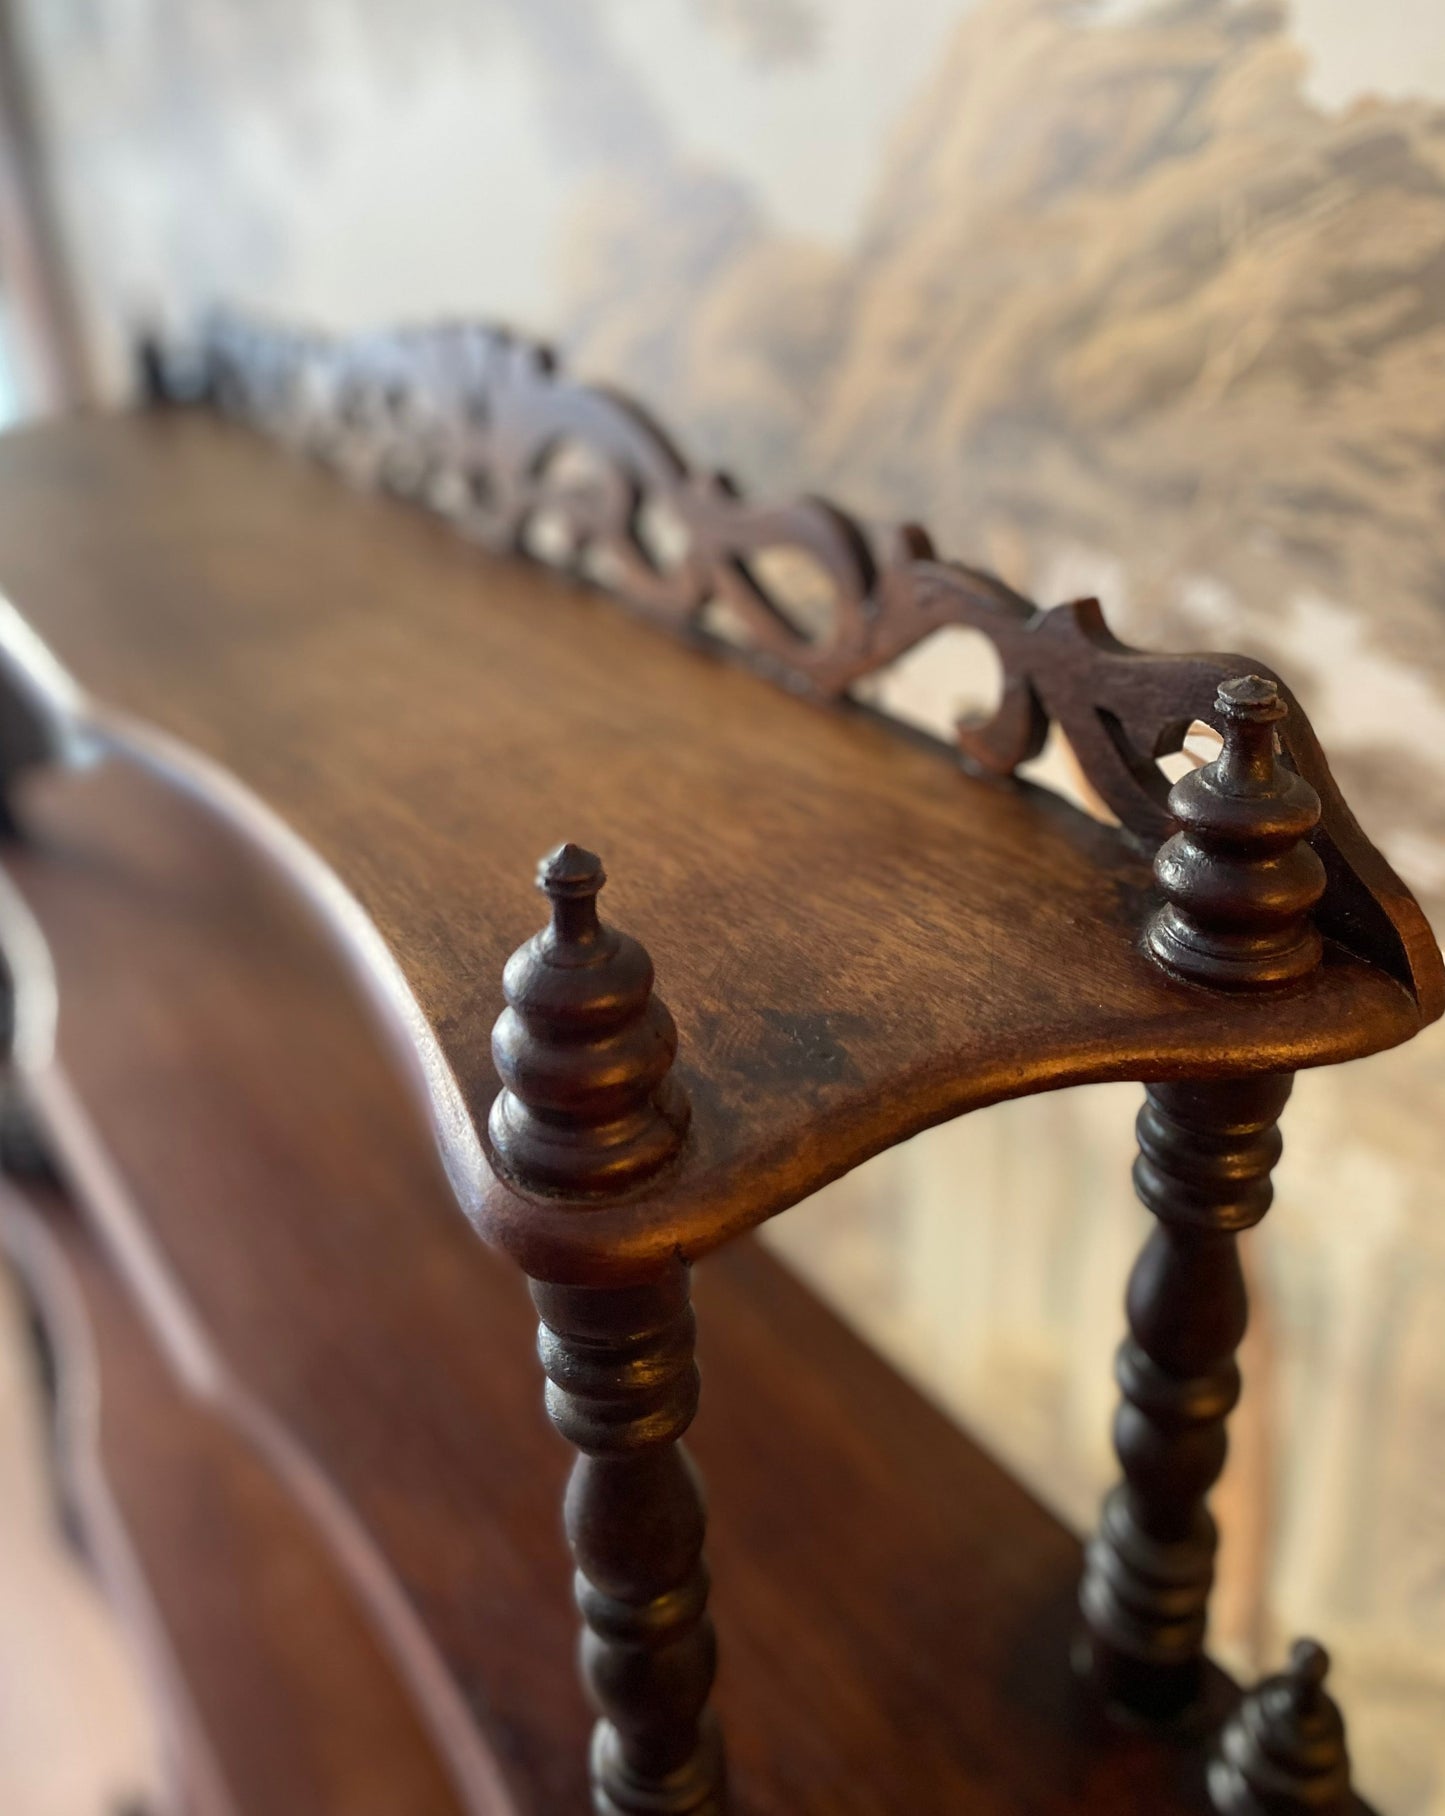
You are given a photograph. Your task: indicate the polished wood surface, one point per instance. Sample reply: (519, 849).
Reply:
(590, 1104)
(1283, 1752)
(854, 939)
(622, 1388)
(483, 426)
(1239, 881)
(1206, 1152)
(275, 1692)
(895, 1612)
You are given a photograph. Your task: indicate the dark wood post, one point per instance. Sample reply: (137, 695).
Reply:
(1239, 881)
(589, 1108)
(622, 1388)
(1283, 1752)
(1205, 1154)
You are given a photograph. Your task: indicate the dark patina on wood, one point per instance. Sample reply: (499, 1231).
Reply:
(584, 1049)
(215, 1031)
(1205, 1155)
(856, 943)
(1283, 1752)
(1238, 878)
(1239, 882)
(590, 1105)
(622, 1388)
(482, 426)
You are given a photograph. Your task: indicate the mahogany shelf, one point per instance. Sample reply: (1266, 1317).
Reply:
(855, 939)
(895, 1610)
(271, 1685)
(278, 761)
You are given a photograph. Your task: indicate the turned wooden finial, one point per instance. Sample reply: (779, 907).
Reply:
(1283, 1752)
(584, 1048)
(1239, 877)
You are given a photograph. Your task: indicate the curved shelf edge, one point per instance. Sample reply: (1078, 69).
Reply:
(984, 1666)
(710, 1196)
(49, 1287)
(691, 1217)
(203, 1373)
(369, 959)
(694, 1208)
(467, 420)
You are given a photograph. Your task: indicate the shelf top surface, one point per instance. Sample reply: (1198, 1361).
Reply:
(855, 939)
(228, 1119)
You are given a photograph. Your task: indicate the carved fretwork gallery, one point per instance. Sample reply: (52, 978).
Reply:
(481, 426)
(855, 942)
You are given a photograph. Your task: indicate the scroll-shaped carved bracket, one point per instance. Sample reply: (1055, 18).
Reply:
(1122, 709)
(481, 426)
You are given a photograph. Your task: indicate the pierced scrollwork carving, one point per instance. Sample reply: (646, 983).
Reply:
(481, 426)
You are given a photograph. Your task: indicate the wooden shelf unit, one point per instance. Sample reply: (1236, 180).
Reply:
(275, 847)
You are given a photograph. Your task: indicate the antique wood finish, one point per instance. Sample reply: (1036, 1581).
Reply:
(1205, 1154)
(622, 1389)
(425, 715)
(481, 426)
(895, 1610)
(1282, 1752)
(1239, 882)
(589, 1106)
(379, 724)
(273, 1689)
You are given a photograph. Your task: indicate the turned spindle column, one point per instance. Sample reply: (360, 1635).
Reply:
(1239, 882)
(589, 1109)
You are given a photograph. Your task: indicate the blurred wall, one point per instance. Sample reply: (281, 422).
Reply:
(1141, 300)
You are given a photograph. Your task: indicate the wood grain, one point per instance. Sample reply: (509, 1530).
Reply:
(280, 1698)
(894, 1611)
(622, 1388)
(584, 1049)
(483, 426)
(855, 940)
(1206, 1152)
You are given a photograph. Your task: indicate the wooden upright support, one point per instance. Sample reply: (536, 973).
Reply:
(1205, 1154)
(1239, 882)
(589, 1108)
(859, 892)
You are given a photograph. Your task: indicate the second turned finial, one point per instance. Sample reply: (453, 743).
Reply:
(1239, 876)
(584, 1049)
(1283, 1753)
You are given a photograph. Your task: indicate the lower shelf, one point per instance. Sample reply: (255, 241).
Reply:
(894, 1612)
(275, 1693)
